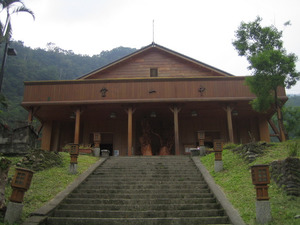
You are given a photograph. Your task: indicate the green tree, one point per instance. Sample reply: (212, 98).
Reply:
(292, 120)
(8, 7)
(272, 67)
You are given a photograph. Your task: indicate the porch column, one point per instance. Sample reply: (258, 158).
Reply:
(55, 136)
(46, 138)
(264, 129)
(31, 113)
(280, 125)
(130, 112)
(229, 123)
(77, 126)
(175, 111)
(30, 116)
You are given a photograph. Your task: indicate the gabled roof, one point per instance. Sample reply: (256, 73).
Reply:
(158, 47)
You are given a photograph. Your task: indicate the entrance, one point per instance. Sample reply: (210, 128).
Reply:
(155, 136)
(107, 142)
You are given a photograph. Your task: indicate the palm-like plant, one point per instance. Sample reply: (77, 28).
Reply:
(10, 7)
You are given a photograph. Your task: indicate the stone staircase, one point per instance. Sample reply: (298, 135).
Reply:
(141, 190)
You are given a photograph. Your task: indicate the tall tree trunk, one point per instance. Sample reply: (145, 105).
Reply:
(4, 167)
(279, 118)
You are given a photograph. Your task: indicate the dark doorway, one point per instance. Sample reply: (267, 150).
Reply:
(108, 147)
(107, 142)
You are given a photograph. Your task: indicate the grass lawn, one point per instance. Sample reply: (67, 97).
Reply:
(235, 181)
(47, 183)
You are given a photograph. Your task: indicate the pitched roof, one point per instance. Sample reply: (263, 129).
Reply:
(161, 48)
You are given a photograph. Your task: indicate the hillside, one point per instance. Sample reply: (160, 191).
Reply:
(52, 63)
(235, 181)
(294, 100)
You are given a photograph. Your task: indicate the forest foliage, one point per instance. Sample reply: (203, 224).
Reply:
(51, 63)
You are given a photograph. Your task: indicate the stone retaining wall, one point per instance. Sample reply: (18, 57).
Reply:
(17, 141)
(286, 173)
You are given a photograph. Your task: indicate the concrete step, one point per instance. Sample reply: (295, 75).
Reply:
(146, 177)
(139, 201)
(138, 214)
(129, 207)
(150, 176)
(139, 196)
(141, 186)
(144, 182)
(142, 191)
(144, 171)
(95, 179)
(137, 221)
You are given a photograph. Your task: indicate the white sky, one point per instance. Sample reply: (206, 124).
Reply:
(201, 29)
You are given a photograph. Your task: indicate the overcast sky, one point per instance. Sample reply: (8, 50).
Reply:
(203, 30)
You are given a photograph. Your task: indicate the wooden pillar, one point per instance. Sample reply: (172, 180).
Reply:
(30, 115)
(77, 126)
(46, 138)
(264, 129)
(274, 128)
(229, 123)
(175, 111)
(130, 112)
(55, 136)
(280, 125)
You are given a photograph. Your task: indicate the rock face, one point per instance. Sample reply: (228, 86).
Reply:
(18, 141)
(286, 174)
(251, 150)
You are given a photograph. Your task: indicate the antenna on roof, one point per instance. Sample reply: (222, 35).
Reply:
(153, 32)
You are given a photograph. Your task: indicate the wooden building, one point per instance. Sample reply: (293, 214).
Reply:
(154, 96)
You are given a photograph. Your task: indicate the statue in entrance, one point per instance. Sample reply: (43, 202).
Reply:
(145, 139)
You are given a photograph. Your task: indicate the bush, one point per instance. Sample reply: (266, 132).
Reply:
(230, 146)
(294, 149)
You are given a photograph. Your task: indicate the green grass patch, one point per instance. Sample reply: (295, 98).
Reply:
(48, 183)
(235, 181)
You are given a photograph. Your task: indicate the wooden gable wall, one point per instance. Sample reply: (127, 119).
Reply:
(168, 65)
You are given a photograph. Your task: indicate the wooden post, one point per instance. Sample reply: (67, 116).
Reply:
(97, 139)
(175, 111)
(129, 112)
(274, 128)
(264, 129)
(46, 138)
(30, 115)
(280, 124)
(229, 123)
(201, 137)
(77, 126)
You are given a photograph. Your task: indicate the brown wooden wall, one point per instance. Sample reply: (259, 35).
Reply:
(167, 65)
(141, 90)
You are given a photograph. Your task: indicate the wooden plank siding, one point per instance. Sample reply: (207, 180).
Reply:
(167, 65)
(166, 62)
(137, 90)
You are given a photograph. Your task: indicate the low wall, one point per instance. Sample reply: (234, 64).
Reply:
(286, 173)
